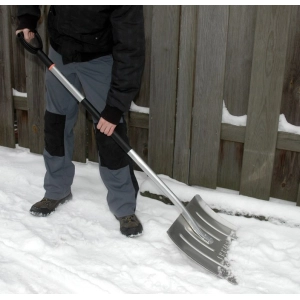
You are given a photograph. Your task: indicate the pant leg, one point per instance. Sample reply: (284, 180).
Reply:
(60, 118)
(115, 166)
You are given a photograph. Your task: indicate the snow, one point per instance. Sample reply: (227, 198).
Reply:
(139, 109)
(233, 120)
(19, 94)
(283, 124)
(79, 249)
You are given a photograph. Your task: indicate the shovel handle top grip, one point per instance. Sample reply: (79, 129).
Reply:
(38, 50)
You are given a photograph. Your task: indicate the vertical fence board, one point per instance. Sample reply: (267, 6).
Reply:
(7, 137)
(19, 79)
(138, 137)
(35, 85)
(286, 175)
(298, 197)
(80, 139)
(239, 54)
(265, 99)
(185, 93)
(92, 152)
(208, 97)
(164, 57)
(290, 105)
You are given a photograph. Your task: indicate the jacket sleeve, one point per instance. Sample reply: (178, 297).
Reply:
(28, 16)
(129, 59)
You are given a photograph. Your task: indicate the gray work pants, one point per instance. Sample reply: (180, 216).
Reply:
(93, 77)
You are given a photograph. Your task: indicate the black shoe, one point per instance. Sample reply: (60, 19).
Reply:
(130, 226)
(46, 206)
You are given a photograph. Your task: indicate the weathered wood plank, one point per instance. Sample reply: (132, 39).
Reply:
(283, 181)
(80, 141)
(298, 197)
(239, 53)
(19, 82)
(185, 93)
(164, 58)
(286, 175)
(208, 97)
(138, 137)
(20, 103)
(290, 104)
(92, 152)
(7, 136)
(288, 141)
(265, 98)
(35, 86)
(138, 120)
(233, 133)
(143, 97)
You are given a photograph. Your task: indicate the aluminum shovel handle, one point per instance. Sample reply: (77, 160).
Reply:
(93, 111)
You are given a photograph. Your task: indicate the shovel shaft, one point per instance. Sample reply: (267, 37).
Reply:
(135, 157)
(190, 220)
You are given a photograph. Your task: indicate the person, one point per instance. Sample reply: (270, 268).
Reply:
(101, 50)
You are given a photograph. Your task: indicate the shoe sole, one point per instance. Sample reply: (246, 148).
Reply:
(64, 200)
(134, 235)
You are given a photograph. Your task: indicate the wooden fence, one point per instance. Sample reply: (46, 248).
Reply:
(196, 58)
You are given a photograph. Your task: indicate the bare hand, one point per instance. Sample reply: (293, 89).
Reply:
(106, 127)
(28, 35)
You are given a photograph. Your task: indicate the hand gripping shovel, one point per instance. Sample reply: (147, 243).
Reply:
(199, 232)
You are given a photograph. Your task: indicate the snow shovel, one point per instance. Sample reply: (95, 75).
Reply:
(199, 232)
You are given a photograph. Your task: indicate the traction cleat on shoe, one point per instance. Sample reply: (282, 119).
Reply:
(130, 226)
(46, 206)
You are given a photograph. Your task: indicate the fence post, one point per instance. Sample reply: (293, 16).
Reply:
(264, 100)
(7, 137)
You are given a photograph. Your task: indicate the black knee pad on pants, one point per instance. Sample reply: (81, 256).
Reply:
(54, 133)
(111, 154)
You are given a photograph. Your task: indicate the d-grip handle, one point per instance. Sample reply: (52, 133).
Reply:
(29, 47)
(87, 105)
(38, 50)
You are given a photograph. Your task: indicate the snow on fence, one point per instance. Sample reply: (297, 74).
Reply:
(196, 58)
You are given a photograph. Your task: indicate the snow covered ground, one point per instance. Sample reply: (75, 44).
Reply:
(79, 249)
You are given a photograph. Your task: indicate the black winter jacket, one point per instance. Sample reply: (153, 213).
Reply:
(84, 32)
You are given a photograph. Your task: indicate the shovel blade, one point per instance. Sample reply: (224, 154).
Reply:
(212, 257)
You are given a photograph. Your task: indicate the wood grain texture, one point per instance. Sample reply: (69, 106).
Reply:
(138, 127)
(7, 136)
(284, 183)
(185, 93)
(212, 25)
(265, 98)
(164, 58)
(80, 136)
(239, 54)
(35, 86)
